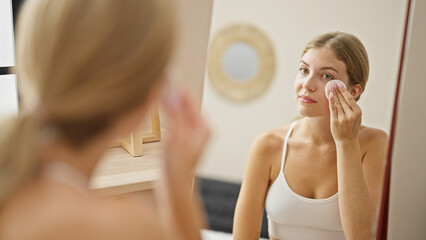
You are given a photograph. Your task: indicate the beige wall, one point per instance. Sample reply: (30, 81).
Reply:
(289, 25)
(194, 19)
(190, 53)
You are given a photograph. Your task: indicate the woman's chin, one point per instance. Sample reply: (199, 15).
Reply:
(311, 112)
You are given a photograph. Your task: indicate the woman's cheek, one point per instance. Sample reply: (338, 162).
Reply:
(298, 83)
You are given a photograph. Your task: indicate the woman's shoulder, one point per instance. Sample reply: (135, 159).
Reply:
(270, 140)
(265, 152)
(373, 139)
(372, 135)
(75, 215)
(111, 218)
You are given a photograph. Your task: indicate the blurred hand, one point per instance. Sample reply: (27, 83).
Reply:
(345, 114)
(189, 133)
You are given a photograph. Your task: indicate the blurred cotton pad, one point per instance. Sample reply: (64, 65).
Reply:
(327, 86)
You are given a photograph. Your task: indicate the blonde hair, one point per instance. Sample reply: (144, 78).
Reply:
(349, 49)
(85, 62)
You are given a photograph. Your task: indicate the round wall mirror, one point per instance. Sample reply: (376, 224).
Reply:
(241, 63)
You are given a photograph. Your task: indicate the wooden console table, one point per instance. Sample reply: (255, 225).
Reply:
(120, 173)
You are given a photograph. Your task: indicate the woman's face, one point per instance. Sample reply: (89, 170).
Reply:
(316, 68)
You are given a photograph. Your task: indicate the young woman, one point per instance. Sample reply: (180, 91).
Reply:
(89, 71)
(319, 177)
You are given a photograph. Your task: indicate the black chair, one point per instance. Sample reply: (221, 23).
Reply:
(219, 199)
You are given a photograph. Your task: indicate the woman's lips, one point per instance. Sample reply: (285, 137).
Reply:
(306, 99)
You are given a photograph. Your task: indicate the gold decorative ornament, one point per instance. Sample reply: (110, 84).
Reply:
(241, 62)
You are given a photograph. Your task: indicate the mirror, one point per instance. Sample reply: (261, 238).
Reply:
(240, 61)
(403, 210)
(288, 27)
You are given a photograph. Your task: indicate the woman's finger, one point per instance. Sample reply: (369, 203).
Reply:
(348, 97)
(332, 106)
(176, 112)
(337, 101)
(192, 113)
(179, 106)
(345, 106)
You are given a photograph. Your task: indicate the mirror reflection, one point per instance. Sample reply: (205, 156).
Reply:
(315, 165)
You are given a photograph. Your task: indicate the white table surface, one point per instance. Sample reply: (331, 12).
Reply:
(8, 95)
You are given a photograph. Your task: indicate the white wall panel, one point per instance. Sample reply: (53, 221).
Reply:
(6, 34)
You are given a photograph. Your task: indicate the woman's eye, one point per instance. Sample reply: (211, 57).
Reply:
(303, 70)
(328, 77)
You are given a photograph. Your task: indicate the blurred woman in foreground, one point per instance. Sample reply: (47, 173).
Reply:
(90, 71)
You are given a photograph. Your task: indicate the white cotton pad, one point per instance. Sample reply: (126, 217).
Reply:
(327, 86)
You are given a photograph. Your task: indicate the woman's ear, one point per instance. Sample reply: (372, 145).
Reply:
(356, 91)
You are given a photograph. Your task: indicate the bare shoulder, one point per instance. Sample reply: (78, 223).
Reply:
(270, 141)
(373, 136)
(374, 144)
(266, 150)
(109, 219)
(129, 217)
(59, 212)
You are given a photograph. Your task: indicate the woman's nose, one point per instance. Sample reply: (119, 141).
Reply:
(310, 83)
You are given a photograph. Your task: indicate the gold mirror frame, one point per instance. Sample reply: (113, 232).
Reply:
(241, 91)
(133, 144)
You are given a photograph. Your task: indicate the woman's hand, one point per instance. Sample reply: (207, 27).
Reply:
(189, 133)
(345, 114)
(181, 211)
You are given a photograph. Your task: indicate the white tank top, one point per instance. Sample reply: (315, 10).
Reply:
(294, 217)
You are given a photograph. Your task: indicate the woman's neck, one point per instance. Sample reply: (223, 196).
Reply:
(84, 159)
(317, 129)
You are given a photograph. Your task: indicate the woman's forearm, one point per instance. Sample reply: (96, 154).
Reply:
(357, 208)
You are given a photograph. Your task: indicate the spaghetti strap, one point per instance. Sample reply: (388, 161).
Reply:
(290, 130)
